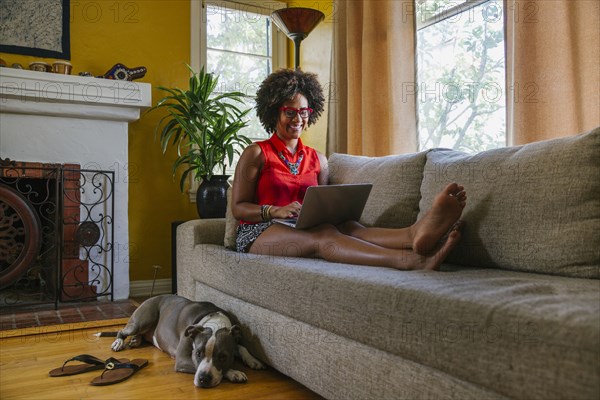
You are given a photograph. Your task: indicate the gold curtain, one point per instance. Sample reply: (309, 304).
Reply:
(552, 68)
(372, 103)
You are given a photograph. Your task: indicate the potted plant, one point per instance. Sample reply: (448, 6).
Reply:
(204, 126)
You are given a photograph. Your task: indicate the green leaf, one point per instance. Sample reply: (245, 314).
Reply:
(202, 126)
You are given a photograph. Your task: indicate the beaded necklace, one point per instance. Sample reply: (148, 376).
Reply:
(294, 167)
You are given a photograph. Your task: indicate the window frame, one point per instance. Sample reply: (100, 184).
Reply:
(198, 45)
(451, 12)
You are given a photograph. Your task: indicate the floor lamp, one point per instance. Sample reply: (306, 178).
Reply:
(297, 23)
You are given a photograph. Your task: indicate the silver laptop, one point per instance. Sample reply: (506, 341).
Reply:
(331, 204)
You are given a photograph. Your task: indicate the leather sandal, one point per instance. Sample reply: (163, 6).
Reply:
(117, 371)
(91, 363)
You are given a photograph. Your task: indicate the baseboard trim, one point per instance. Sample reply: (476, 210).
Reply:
(144, 288)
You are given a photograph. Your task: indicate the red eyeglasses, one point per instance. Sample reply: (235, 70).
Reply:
(291, 112)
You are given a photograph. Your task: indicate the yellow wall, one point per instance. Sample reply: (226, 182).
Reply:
(156, 34)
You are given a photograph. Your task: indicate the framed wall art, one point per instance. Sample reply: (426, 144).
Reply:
(35, 28)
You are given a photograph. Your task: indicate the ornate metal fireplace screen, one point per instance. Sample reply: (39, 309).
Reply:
(56, 233)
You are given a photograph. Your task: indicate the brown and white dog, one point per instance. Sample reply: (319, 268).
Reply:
(198, 335)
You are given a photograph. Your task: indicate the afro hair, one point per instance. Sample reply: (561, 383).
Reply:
(282, 86)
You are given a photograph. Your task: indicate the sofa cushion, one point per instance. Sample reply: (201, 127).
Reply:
(529, 208)
(512, 333)
(394, 199)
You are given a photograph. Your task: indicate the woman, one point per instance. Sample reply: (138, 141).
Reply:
(271, 180)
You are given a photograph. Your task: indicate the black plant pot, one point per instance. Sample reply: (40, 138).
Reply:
(211, 197)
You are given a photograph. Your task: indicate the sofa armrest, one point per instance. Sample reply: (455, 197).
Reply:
(201, 231)
(205, 232)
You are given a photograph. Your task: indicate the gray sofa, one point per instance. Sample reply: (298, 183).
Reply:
(513, 313)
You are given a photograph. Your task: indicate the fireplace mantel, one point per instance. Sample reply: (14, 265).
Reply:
(41, 93)
(52, 118)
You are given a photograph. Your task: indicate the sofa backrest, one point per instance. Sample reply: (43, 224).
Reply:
(532, 208)
(394, 199)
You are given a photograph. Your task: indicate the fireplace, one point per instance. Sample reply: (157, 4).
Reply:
(56, 236)
(67, 127)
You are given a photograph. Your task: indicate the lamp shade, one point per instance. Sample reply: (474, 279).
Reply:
(295, 21)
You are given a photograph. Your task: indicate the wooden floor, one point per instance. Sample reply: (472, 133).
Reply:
(25, 361)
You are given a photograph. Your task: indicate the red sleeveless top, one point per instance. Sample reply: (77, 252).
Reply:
(277, 185)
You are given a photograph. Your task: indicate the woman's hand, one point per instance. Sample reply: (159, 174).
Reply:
(290, 211)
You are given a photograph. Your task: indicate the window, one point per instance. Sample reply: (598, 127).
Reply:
(238, 42)
(460, 74)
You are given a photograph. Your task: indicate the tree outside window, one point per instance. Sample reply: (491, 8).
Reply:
(460, 74)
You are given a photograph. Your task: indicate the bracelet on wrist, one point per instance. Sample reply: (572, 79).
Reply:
(265, 212)
(262, 212)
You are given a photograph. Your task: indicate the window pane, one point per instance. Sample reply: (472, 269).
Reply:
(237, 30)
(239, 50)
(461, 81)
(254, 129)
(238, 72)
(229, 67)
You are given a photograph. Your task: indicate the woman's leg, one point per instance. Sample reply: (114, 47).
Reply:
(425, 234)
(328, 243)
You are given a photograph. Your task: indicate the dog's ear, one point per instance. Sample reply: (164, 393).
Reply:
(236, 332)
(192, 330)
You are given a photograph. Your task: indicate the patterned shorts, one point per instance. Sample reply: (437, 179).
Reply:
(247, 234)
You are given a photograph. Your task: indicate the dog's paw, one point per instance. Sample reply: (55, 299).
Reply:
(236, 376)
(185, 367)
(118, 345)
(249, 359)
(254, 363)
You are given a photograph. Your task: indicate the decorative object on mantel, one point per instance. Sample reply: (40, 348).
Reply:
(62, 67)
(205, 129)
(121, 73)
(84, 73)
(58, 66)
(297, 23)
(40, 66)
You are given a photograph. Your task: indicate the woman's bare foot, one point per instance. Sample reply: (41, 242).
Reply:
(433, 261)
(445, 211)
